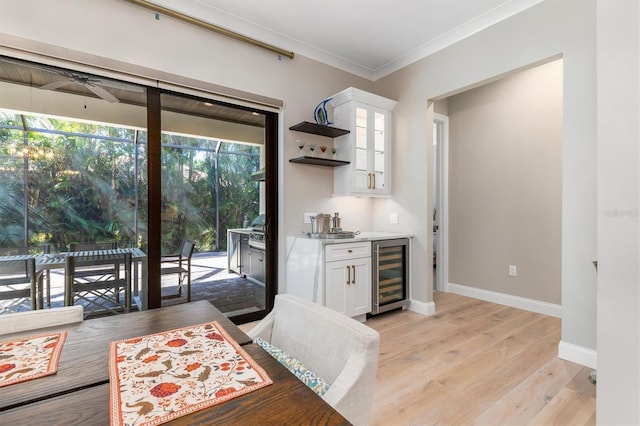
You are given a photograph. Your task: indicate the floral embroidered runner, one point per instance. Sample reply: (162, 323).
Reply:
(159, 377)
(30, 357)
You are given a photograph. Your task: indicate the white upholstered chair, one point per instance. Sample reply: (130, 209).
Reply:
(31, 320)
(339, 349)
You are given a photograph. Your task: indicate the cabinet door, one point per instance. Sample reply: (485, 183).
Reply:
(257, 265)
(245, 255)
(337, 280)
(233, 251)
(367, 146)
(348, 286)
(371, 146)
(358, 293)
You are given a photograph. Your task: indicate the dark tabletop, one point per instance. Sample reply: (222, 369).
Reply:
(286, 401)
(85, 354)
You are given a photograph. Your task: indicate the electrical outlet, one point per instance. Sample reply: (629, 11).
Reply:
(307, 217)
(513, 271)
(393, 218)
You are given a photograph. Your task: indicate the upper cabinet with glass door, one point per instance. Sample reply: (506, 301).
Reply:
(367, 146)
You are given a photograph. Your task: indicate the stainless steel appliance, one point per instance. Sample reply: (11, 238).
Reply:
(257, 246)
(257, 238)
(390, 275)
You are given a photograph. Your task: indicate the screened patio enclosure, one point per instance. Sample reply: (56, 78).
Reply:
(64, 181)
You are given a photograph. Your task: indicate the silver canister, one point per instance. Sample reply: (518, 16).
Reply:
(336, 223)
(320, 224)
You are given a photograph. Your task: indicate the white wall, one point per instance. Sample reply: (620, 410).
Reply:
(505, 185)
(548, 30)
(618, 203)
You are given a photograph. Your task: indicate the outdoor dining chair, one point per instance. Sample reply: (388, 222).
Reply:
(93, 272)
(18, 285)
(34, 250)
(101, 295)
(179, 264)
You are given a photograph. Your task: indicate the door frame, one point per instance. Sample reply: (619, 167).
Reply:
(441, 124)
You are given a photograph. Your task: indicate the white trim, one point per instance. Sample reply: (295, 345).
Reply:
(518, 302)
(44, 53)
(424, 308)
(578, 354)
(442, 248)
(477, 24)
(205, 11)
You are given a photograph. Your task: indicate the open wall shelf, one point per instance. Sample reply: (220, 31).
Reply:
(318, 129)
(317, 161)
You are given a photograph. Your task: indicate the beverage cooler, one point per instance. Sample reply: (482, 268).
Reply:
(390, 275)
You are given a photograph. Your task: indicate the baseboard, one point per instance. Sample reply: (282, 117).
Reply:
(424, 308)
(578, 354)
(506, 299)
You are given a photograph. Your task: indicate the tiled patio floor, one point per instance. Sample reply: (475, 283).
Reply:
(210, 280)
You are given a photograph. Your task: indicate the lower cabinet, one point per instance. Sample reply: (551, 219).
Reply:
(256, 265)
(348, 286)
(336, 275)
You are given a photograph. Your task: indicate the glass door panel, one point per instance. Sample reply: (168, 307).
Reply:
(207, 191)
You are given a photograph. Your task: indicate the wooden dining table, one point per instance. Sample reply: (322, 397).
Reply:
(79, 392)
(84, 359)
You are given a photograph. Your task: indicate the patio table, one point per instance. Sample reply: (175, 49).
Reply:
(57, 261)
(50, 261)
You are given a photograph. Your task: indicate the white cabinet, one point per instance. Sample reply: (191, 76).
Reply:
(368, 145)
(337, 275)
(347, 274)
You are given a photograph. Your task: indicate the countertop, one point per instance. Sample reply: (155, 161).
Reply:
(362, 236)
(240, 230)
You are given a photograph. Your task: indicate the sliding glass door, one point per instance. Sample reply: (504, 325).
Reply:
(89, 159)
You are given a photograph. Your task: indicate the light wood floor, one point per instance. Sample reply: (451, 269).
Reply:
(476, 363)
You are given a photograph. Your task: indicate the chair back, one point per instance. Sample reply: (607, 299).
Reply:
(98, 293)
(18, 283)
(186, 251)
(30, 320)
(339, 349)
(36, 249)
(76, 246)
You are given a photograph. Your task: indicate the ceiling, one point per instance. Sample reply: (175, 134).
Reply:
(45, 77)
(369, 38)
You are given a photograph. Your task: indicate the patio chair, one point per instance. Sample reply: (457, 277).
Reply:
(180, 265)
(36, 249)
(18, 285)
(93, 273)
(101, 295)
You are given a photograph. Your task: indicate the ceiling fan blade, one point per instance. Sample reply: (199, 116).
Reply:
(102, 93)
(55, 85)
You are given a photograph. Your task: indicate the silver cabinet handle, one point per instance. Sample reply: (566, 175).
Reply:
(348, 275)
(353, 280)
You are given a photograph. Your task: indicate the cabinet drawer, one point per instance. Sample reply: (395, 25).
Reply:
(343, 251)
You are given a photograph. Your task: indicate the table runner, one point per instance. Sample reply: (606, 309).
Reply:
(159, 377)
(30, 357)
